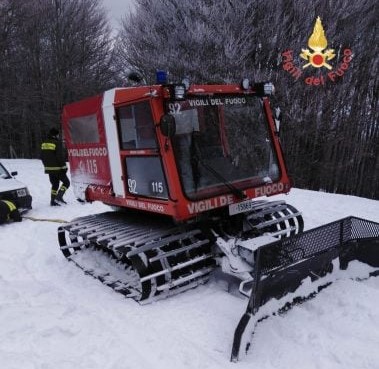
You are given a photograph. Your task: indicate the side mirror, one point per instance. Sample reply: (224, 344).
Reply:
(168, 125)
(14, 174)
(277, 118)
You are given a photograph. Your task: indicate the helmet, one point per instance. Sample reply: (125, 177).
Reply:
(53, 132)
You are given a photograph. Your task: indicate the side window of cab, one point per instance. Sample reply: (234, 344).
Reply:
(136, 127)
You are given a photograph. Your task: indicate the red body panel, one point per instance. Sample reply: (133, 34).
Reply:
(90, 163)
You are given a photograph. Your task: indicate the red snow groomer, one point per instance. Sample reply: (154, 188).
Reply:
(187, 169)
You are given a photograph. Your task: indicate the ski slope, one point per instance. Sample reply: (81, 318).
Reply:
(54, 316)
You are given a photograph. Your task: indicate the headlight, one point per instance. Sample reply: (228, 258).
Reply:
(180, 92)
(264, 88)
(186, 83)
(245, 84)
(268, 88)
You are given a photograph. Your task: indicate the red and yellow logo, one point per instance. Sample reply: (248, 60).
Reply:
(317, 56)
(317, 42)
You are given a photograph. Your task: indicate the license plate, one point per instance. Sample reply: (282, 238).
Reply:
(242, 207)
(21, 192)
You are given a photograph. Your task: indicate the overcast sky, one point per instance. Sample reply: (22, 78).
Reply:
(117, 9)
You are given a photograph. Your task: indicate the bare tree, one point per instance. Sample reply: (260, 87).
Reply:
(55, 51)
(200, 39)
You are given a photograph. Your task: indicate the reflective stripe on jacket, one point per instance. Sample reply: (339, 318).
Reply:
(48, 146)
(52, 156)
(10, 204)
(56, 168)
(6, 209)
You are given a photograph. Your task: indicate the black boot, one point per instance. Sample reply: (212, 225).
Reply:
(59, 197)
(53, 201)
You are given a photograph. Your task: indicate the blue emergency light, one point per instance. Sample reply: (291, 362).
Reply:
(161, 76)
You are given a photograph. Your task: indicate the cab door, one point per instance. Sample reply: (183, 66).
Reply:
(139, 151)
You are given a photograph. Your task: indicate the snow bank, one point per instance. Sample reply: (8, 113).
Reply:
(53, 316)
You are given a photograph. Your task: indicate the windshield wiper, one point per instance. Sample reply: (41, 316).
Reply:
(196, 158)
(235, 191)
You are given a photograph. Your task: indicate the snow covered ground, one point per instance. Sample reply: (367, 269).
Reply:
(54, 316)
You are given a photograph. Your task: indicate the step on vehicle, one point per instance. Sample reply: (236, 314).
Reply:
(14, 190)
(188, 170)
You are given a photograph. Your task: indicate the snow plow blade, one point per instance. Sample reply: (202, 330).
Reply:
(293, 269)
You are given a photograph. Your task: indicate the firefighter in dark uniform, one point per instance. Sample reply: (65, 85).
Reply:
(8, 211)
(53, 159)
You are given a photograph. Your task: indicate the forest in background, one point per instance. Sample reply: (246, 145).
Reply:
(57, 51)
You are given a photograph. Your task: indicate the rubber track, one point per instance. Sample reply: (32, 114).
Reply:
(276, 218)
(167, 258)
(159, 258)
